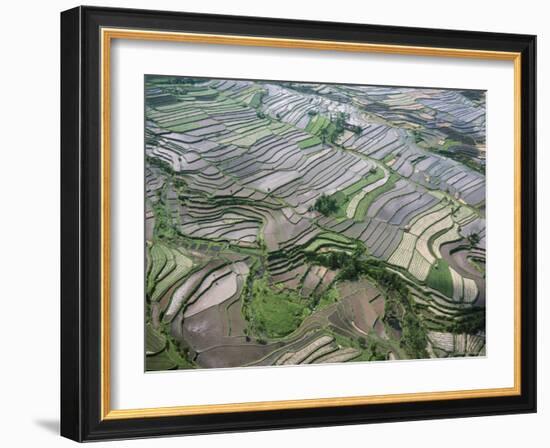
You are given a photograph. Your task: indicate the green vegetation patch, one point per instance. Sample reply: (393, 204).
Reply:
(471, 323)
(169, 359)
(341, 202)
(413, 339)
(155, 341)
(374, 176)
(325, 129)
(447, 150)
(440, 278)
(309, 142)
(250, 139)
(279, 127)
(274, 313)
(165, 228)
(185, 127)
(449, 143)
(366, 202)
(161, 361)
(256, 99)
(344, 196)
(173, 354)
(371, 347)
(478, 264)
(181, 268)
(156, 265)
(326, 205)
(329, 297)
(329, 239)
(351, 265)
(391, 156)
(317, 124)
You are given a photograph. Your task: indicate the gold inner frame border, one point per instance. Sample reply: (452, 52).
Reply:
(107, 36)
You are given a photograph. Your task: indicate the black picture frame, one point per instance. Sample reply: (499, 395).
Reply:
(81, 224)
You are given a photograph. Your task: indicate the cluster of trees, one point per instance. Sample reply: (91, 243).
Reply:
(331, 133)
(270, 312)
(399, 312)
(350, 265)
(371, 350)
(473, 239)
(356, 264)
(474, 323)
(326, 134)
(341, 123)
(399, 309)
(165, 166)
(464, 159)
(417, 135)
(164, 228)
(413, 338)
(179, 183)
(388, 280)
(355, 129)
(326, 205)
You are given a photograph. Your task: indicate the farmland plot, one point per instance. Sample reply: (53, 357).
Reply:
(293, 223)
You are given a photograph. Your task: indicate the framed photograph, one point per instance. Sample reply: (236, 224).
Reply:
(276, 224)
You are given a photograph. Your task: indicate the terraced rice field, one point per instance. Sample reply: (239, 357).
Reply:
(298, 223)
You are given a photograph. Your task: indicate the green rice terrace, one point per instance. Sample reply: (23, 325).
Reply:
(291, 223)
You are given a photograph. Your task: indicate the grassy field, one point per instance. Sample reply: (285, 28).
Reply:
(440, 278)
(309, 142)
(370, 179)
(317, 124)
(369, 198)
(275, 313)
(344, 196)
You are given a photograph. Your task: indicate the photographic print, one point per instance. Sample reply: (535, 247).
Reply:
(296, 223)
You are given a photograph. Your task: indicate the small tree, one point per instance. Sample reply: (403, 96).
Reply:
(473, 239)
(326, 205)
